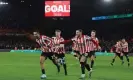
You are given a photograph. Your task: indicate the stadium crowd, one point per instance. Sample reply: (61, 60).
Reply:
(10, 42)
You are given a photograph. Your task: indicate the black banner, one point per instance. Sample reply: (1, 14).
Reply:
(5, 50)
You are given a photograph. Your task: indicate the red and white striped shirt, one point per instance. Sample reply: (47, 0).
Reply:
(92, 46)
(58, 48)
(125, 47)
(118, 48)
(82, 43)
(74, 45)
(45, 42)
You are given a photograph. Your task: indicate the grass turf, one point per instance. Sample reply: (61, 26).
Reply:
(20, 66)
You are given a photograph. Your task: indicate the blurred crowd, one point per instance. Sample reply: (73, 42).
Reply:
(19, 42)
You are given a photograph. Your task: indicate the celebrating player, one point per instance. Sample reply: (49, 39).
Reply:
(125, 50)
(75, 49)
(46, 47)
(117, 49)
(92, 47)
(81, 41)
(59, 49)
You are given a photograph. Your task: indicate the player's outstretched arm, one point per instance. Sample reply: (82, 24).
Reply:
(66, 41)
(29, 35)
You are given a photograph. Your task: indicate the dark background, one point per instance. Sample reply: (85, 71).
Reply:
(30, 15)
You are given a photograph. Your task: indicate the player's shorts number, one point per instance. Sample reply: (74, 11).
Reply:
(61, 60)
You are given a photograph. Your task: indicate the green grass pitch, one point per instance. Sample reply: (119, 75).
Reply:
(21, 66)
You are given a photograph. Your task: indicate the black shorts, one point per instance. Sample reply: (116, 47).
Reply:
(118, 54)
(77, 52)
(125, 53)
(47, 55)
(60, 55)
(61, 58)
(91, 53)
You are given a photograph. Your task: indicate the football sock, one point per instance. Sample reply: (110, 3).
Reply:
(92, 63)
(65, 68)
(43, 71)
(127, 58)
(87, 67)
(82, 67)
(56, 64)
(113, 60)
(121, 58)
